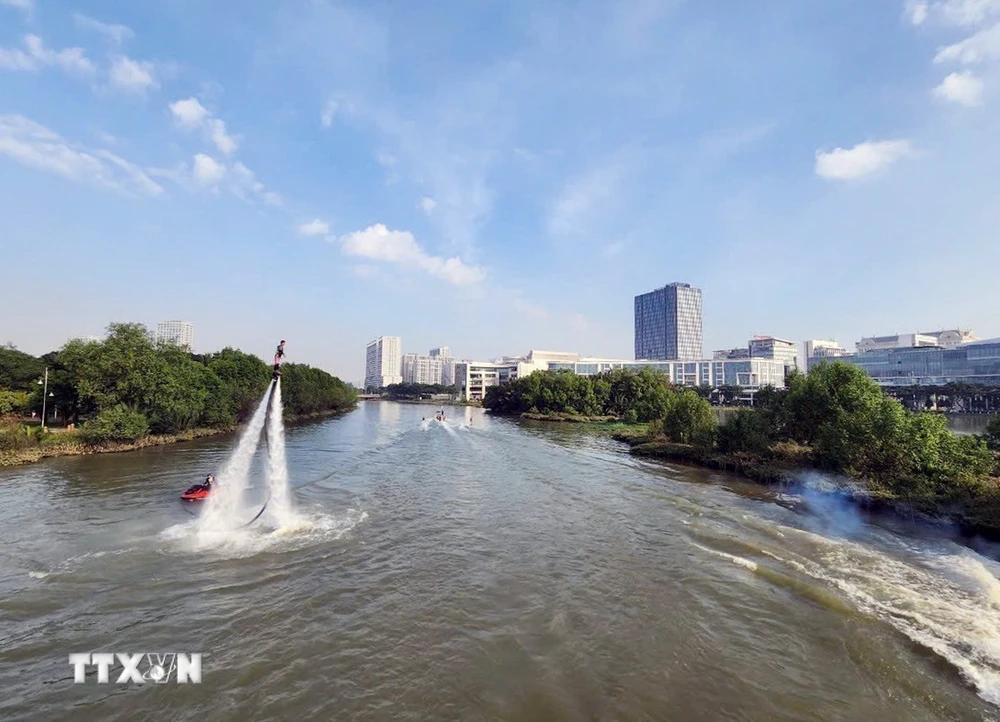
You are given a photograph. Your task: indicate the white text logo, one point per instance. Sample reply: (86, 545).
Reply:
(139, 668)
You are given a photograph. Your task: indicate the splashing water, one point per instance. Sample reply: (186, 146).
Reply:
(279, 507)
(224, 509)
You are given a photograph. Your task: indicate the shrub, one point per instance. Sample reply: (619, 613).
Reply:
(117, 424)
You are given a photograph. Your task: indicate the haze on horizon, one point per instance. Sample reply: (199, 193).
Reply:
(496, 180)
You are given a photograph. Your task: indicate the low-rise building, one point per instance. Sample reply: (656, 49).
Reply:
(473, 378)
(818, 351)
(976, 363)
(950, 338)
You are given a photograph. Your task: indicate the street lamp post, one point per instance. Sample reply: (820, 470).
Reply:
(45, 394)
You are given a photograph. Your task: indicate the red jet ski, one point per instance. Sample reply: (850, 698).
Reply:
(199, 492)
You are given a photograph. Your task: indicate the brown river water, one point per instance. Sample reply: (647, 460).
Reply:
(484, 569)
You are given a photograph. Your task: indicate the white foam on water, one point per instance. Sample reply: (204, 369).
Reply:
(306, 530)
(737, 560)
(946, 602)
(279, 509)
(224, 510)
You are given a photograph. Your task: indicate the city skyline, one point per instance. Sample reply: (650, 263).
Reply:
(803, 165)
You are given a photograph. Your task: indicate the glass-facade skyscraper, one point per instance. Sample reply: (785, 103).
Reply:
(668, 324)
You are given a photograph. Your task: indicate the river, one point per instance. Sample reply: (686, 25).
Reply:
(484, 569)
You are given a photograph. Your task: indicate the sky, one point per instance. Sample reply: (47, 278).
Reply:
(496, 177)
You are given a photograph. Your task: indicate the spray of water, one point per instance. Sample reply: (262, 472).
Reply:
(279, 507)
(224, 509)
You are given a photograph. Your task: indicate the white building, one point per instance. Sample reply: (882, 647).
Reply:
(418, 369)
(447, 364)
(472, 378)
(178, 333)
(383, 362)
(949, 338)
(775, 348)
(819, 350)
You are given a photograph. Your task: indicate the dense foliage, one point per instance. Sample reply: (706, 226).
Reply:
(644, 396)
(837, 414)
(127, 386)
(416, 391)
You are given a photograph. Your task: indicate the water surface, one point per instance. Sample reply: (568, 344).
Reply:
(484, 569)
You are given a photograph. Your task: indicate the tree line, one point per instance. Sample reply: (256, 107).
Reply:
(837, 416)
(416, 391)
(128, 386)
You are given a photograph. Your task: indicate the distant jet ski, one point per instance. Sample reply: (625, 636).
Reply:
(200, 492)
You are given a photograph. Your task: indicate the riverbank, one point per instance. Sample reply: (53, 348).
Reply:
(974, 510)
(69, 443)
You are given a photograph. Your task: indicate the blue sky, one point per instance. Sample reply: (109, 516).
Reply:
(496, 177)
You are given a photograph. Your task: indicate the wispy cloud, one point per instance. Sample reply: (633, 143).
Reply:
(864, 159)
(36, 55)
(962, 88)
(315, 228)
(427, 205)
(379, 243)
(19, 4)
(333, 108)
(117, 34)
(980, 47)
(190, 114)
(36, 146)
(586, 196)
(133, 75)
(916, 11)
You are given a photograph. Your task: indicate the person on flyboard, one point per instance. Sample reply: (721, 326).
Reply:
(278, 355)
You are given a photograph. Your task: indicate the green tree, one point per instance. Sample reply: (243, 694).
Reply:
(690, 420)
(19, 371)
(118, 423)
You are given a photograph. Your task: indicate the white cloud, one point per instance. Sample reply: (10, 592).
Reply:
(329, 111)
(427, 205)
(917, 11)
(115, 33)
(314, 228)
(20, 4)
(191, 115)
(72, 60)
(962, 88)
(967, 12)
(207, 171)
(223, 141)
(273, 199)
(378, 243)
(36, 146)
(862, 160)
(133, 75)
(334, 107)
(984, 45)
(188, 113)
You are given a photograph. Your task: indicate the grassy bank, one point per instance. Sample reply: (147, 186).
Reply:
(63, 442)
(571, 418)
(974, 509)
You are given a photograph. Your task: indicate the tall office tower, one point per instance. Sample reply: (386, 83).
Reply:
(179, 333)
(668, 324)
(383, 362)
